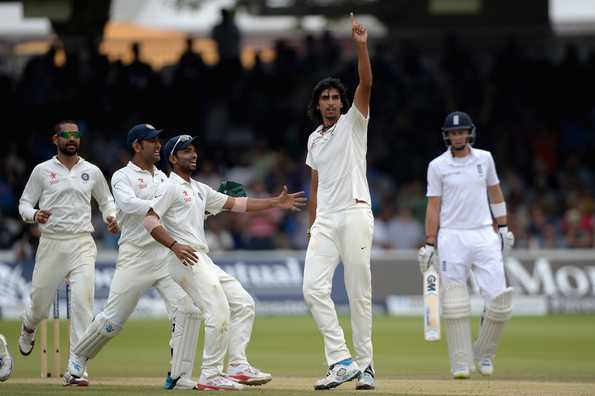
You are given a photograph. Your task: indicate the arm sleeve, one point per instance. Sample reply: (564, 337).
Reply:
(434, 182)
(30, 197)
(126, 199)
(309, 159)
(163, 202)
(104, 198)
(214, 200)
(491, 174)
(360, 123)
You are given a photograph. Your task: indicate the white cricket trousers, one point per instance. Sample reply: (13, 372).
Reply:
(461, 250)
(137, 270)
(71, 256)
(344, 236)
(227, 309)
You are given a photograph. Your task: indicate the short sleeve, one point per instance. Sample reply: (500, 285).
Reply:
(360, 123)
(309, 159)
(491, 174)
(164, 199)
(434, 182)
(214, 200)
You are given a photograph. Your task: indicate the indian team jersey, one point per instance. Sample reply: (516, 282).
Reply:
(67, 195)
(181, 208)
(339, 156)
(462, 185)
(134, 189)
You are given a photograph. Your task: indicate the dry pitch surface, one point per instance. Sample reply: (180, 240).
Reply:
(295, 385)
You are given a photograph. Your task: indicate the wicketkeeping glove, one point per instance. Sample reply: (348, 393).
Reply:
(506, 239)
(232, 189)
(427, 256)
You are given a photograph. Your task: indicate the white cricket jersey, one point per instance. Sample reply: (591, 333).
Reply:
(134, 190)
(181, 208)
(67, 195)
(462, 185)
(339, 156)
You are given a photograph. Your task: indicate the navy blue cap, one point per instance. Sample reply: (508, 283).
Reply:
(141, 132)
(176, 143)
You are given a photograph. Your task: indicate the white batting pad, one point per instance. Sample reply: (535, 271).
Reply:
(99, 332)
(498, 312)
(456, 310)
(186, 323)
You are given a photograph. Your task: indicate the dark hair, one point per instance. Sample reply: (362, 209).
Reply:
(329, 82)
(58, 126)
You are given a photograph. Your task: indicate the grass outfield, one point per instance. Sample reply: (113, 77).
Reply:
(538, 355)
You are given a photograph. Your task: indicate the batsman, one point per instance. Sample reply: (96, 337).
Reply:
(464, 197)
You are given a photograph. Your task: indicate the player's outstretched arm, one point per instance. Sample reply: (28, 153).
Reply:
(361, 98)
(285, 200)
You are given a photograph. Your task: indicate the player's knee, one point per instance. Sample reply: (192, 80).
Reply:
(186, 306)
(499, 308)
(248, 306)
(314, 294)
(456, 303)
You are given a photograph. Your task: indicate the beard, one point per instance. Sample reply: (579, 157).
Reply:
(68, 149)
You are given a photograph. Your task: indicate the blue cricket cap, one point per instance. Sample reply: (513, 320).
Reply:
(141, 132)
(176, 143)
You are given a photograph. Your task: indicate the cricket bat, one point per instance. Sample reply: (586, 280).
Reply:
(431, 305)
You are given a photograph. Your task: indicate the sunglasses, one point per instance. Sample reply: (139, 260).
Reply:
(181, 139)
(69, 134)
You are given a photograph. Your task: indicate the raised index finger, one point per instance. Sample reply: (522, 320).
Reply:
(352, 18)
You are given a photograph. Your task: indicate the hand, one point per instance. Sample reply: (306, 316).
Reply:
(112, 225)
(185, 253)
(506, 239)
(291, 201)
(426, 256)
(41, 216)
(358, 31)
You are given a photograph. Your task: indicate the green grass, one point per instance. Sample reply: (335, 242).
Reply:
(553, 348)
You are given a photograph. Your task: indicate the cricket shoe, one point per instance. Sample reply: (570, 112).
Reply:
(218, 382)
(180, 383)
(461, 373)
(485, 366)
(366, 380)
(71, 380)
(5, 360)
(338, 373)
(245, 374)
(26, 341)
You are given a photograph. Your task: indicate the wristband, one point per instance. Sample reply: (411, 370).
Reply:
(172, 245)
(499, 209)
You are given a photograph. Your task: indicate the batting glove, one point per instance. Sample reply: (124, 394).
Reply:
(506, 239)
(426, 256)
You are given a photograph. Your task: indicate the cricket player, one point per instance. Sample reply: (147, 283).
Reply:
(5, 360)
(63, 187)
(176, 220)
(341, 220)
(463, 195)
(140, 265)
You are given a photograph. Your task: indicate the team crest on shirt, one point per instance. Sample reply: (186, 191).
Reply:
(186, 196)
(53, 178)
(85, 177)
(141, 183)
(479, 170)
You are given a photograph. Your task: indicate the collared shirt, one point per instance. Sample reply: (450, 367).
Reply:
(67, 195)
(339, 156)
(134, 189)
(462, 185)
(181, 208)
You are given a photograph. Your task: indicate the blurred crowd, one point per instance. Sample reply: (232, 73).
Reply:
(534, 111)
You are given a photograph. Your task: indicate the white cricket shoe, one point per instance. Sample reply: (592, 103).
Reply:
(485, 366)
(343, 371)
(180, 383)
(71, 380)
(5, 360)
(218, 382)
(26, 341)
(246, 374)
(77, 365)
(366, 381)
(461, 373)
